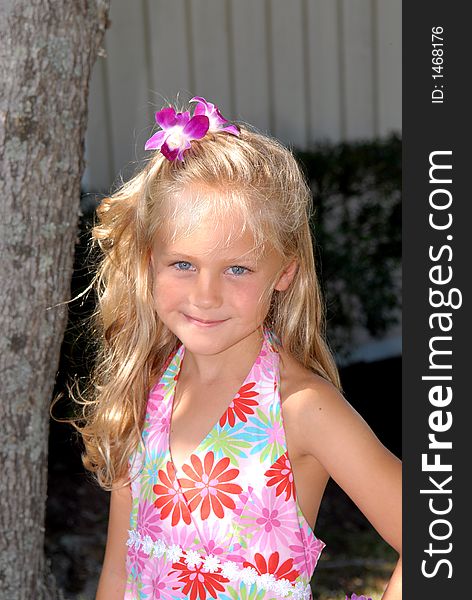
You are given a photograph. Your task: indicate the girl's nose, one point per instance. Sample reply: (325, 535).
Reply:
(206, 292)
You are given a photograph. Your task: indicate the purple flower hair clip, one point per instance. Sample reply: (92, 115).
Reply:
(356, 597)
(178, 130)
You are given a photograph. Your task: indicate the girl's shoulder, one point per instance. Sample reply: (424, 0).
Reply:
(314, 410)
(301, 387)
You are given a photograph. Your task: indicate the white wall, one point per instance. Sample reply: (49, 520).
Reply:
(302, 70)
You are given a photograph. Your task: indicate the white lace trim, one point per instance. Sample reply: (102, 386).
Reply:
(212, 564)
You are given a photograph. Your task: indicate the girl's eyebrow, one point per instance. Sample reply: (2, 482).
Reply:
(247, 256)
(173, 254)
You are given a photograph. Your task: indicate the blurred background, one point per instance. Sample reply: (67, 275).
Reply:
(324, 77)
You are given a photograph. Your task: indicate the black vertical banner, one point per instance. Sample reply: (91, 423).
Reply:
(437, 254)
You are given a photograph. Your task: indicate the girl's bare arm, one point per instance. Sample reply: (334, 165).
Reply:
(329, 429)
(112, 583)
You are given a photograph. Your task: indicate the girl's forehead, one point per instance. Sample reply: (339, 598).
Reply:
(226, 238)
(212, 220)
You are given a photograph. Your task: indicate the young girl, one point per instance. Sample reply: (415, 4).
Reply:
(217, 417)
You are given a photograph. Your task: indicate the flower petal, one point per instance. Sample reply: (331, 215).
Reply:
(166, 118)
(218, 121)
(181, 119)
(200, 99)
(261, 564)
(217, 508)
(231, 129)
(155, 142)
(273, 562)
(197, 127)
(220, 466)
(197, 465)
(208, 463)
(203, 107)
(183, 149)
(205, 508)
(168, 153)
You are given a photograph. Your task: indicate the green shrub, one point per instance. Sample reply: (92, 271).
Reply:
(357, 230)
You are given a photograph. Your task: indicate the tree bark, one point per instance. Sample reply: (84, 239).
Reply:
(47, 49)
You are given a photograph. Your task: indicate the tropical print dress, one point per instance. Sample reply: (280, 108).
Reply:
(227, 525)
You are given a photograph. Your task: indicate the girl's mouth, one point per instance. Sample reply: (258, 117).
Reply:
(203, 323)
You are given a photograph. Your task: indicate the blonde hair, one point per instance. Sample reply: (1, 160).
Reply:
(251, 173)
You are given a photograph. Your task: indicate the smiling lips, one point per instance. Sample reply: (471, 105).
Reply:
(203, 323)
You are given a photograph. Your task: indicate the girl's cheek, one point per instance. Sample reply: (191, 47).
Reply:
(164, 277)
(169, 286)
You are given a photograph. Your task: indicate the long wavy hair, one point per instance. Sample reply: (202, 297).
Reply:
(251, 174)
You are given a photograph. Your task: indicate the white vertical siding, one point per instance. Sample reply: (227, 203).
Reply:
(357, 65)
(100, 171)
(389, 53)
(251, 63)
(171, 70)
(211, 49)
(288, 93)
(304, 70)
(127, 84)
(325, 83)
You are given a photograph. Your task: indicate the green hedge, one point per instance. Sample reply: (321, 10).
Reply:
(357, 231)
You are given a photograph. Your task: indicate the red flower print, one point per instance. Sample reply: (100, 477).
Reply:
(280, 474)
(197, 581)
(170, 499)
(209, 485)
(284, 571)
(240, 406)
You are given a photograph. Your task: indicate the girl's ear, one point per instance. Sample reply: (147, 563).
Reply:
(287, 276)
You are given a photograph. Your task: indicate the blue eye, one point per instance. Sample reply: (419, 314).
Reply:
(182, 265)
(239, 270)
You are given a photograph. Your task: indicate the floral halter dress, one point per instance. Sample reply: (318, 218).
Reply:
(227, 525)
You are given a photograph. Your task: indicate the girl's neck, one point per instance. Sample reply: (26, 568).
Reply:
(232, 363)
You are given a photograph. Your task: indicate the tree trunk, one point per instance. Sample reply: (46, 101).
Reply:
(47, 49)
